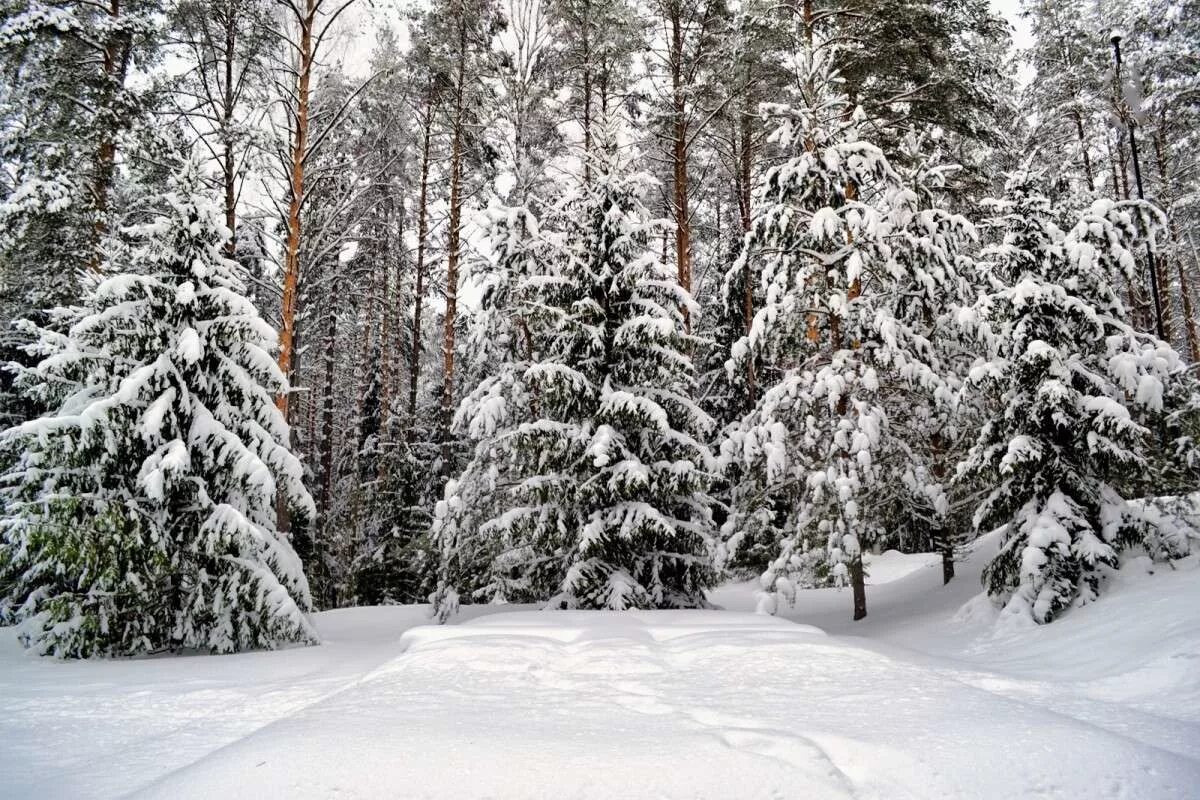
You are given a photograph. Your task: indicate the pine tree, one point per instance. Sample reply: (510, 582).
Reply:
(482, 557)
(226, 44)
(142, 510)
(646, 539)
(1066, 92)
(67, 109)
(854, 272)
(934, 272)
(597, 498)
(1081, 393)
(69, 65)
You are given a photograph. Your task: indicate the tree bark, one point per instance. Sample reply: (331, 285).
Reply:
(1162, 262)
(299, 150)
(385, 334)
(114, 63)
(367, 334)
(859, 586)
(745, 164)
(1083, 149)
(679, 158)
(448, 326)
(1189, 310)
(1113, 166)
(228, 161)
(327, 416)
(414, 363)
(940, 535)
(812, 323)
(587, 95)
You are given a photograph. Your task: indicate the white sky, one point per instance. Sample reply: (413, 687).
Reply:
(357, 35)
(1011, 9)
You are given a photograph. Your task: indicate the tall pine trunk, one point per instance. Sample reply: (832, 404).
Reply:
(385, 334)
(327, 416)
(228, 160)
(679, 158)
(114, 65)
(1163, 261)
(587, 96)
(744, 136)
(415, 349)
(299, 150)
(451, 317)
(1189, 309)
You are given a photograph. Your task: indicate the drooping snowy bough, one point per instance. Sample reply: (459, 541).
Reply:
(141, 512)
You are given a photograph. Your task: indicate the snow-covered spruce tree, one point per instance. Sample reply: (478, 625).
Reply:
(142, 511)
(1081, 394)
(597, 498)
(482, 558)
(647, 538)
(1023, 227)
(854, 272)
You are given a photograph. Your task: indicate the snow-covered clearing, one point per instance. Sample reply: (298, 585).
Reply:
(912, 702)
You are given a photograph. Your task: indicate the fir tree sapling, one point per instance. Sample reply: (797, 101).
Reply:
(142, 510)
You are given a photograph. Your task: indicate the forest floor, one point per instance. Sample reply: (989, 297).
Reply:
(928, 697)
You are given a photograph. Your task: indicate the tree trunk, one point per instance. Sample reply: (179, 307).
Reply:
(745, 162)
(114, 63)
(940, 535)
(385, 334)
(291, 261)
(679, 160)
(1189, 310)
(1083, 148)
(1113, 167)
(414, 361)
(448, 331)
(283, 512)
(858, 585)
(1162, 262)
(228, 162)
(812, 323)
(321, 527)
(367, 333)
(327, 417)
(587, 96)
(1123, 158)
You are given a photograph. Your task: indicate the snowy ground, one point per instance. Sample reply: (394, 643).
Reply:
(917, 701)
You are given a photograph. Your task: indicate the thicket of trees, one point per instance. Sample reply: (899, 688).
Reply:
(588, 303)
